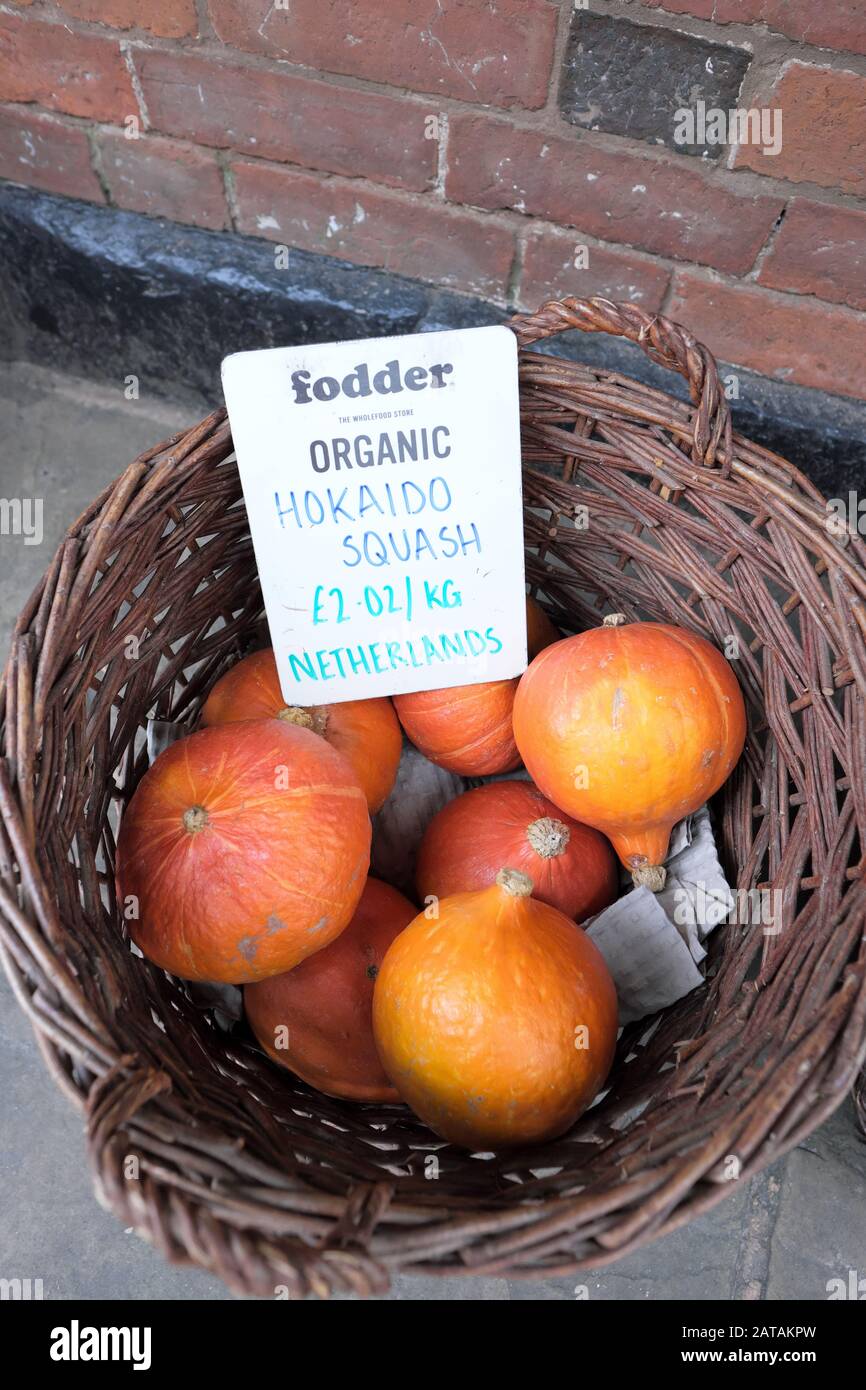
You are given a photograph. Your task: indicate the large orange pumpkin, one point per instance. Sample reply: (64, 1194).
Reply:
(316, 1020)
(571, 866)
(467, 728)
(366, 731)
(630, 727)
(496, 1020)
(243, 850)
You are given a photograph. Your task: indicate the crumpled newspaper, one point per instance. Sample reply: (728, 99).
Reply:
(420, 790)
(161, 733)
(654, 942)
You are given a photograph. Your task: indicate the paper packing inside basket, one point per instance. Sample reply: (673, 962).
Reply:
(653, 942)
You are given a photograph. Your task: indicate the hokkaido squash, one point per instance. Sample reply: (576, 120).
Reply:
(366, 731)
(629, 728)
(243, 850)
(540, 629)
(572, 867)
(495, 1020)
(316, 1020)
(467, 728)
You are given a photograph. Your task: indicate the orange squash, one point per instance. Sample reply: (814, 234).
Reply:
(571, 866)
(540, 630)
(497, 1020)
(630, 727)
(316, 1020)
(243, 850)
(366, 731)
(467, 728)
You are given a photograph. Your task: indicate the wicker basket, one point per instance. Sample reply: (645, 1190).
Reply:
(250, 1174)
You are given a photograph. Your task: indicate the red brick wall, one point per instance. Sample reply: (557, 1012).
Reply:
(512, 148)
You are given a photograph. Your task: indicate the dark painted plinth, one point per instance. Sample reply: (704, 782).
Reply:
(108, 294)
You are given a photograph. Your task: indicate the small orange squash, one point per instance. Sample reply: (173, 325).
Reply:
(467, 728)
(629, 728)
(496, 1021)
(316, 1020)
(243, 850)
(540, 630)
(572, 867)
(366, 731)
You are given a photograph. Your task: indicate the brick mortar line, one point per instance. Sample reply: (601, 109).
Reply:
(441, 158)
(664, 307)
(230, 192)
(758, 83)
(560, 43)
(760, 79)
(205, 24)
(137, 89)
(96, 164)
(751, 276)
(514, 282)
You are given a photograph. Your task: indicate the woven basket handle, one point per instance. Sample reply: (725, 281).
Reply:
(664, 342)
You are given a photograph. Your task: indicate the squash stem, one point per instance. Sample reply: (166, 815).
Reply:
(651, 876)
(516, 884)
(195, 818)
(315, 719)
(548, 837)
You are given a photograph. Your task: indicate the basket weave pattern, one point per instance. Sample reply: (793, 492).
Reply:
(249, 1173)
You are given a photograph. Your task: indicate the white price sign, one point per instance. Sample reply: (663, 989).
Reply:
(382, 484)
